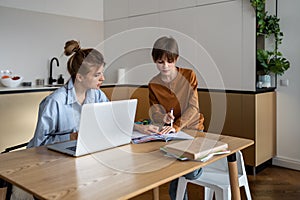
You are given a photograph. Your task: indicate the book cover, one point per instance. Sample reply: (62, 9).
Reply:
(195, 149)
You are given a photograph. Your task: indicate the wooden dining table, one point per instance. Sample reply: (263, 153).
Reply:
(118, 173)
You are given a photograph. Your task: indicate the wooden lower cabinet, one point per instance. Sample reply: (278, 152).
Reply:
(251, 116)
(18, 117)
(123, 92)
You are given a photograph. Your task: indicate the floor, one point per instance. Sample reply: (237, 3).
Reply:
(272, 183)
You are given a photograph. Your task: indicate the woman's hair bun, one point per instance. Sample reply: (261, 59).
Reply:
(71, 47)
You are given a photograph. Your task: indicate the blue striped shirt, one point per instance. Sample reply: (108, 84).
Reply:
(59, 114)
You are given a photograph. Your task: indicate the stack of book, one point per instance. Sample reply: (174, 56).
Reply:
(200, 149)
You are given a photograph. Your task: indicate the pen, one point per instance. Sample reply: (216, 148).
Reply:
(172, 110)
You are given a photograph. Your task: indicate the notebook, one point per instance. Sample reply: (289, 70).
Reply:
(195, 149)
(138, 137)
(102, 126)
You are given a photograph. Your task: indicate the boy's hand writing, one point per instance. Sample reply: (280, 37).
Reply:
(168, 118)
(167, 129)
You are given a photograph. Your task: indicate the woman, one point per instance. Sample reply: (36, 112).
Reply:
(173, 92)
(59, 113)
(173, 96)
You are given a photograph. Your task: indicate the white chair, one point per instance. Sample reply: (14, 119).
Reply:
(215, 180)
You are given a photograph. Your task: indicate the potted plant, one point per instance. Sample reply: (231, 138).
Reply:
(268, 62)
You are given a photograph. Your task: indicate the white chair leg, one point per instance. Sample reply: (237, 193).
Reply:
(226, 194)
(182, 183)
(219, 195)
(247, 190)
(208, 193)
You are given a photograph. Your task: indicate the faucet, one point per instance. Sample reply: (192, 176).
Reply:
(51, 80)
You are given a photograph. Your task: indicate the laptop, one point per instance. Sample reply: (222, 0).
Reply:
(102, 126)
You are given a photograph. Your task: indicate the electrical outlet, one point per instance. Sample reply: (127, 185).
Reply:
(284, 82)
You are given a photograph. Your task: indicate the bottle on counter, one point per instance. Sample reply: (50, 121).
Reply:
(61, 79)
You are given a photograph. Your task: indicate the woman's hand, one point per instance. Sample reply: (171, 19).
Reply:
(74, 136)
(146, 129)
(168, 118)
(167, 129)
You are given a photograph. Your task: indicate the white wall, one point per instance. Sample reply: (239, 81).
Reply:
(216, 38)
(288, 98)
(29, 39)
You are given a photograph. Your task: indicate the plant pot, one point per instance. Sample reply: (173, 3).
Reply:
(267, 80)
(264, 81)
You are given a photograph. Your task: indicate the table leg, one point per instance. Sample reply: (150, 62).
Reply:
(2, 193)
(233, 175)
(156, 193)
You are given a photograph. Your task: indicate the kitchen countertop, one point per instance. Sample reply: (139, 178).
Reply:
(23, 89)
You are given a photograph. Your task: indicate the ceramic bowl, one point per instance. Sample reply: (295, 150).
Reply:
(11, 81)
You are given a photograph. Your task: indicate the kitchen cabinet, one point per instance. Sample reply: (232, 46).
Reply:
(131, 92)
(204, 31)
(18, 117)
(249, 115)
(89, 9)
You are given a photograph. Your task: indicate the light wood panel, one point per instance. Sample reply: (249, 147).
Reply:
(140, 93)
(248, 128)
(265, 127)
(18, 117)
(116, 93)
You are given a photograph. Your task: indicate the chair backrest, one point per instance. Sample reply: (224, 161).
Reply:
(240, 163)
(15, 147)
(222, 165)
(6, 185)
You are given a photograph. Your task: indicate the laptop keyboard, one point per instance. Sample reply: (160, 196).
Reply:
(73, 148)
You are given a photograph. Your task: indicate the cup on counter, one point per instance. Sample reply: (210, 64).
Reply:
(40, 82)
(259, 84)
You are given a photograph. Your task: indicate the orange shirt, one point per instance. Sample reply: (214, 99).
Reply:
(181, 95)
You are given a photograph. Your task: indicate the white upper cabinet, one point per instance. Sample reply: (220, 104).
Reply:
(205, 2)
(165, 5)
(87, 9)
(115, 9)
(141, 7)
(216, 38)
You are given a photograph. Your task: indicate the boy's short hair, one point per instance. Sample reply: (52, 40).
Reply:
(165, 46)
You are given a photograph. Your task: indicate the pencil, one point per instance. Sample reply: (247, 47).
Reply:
(172, 110)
